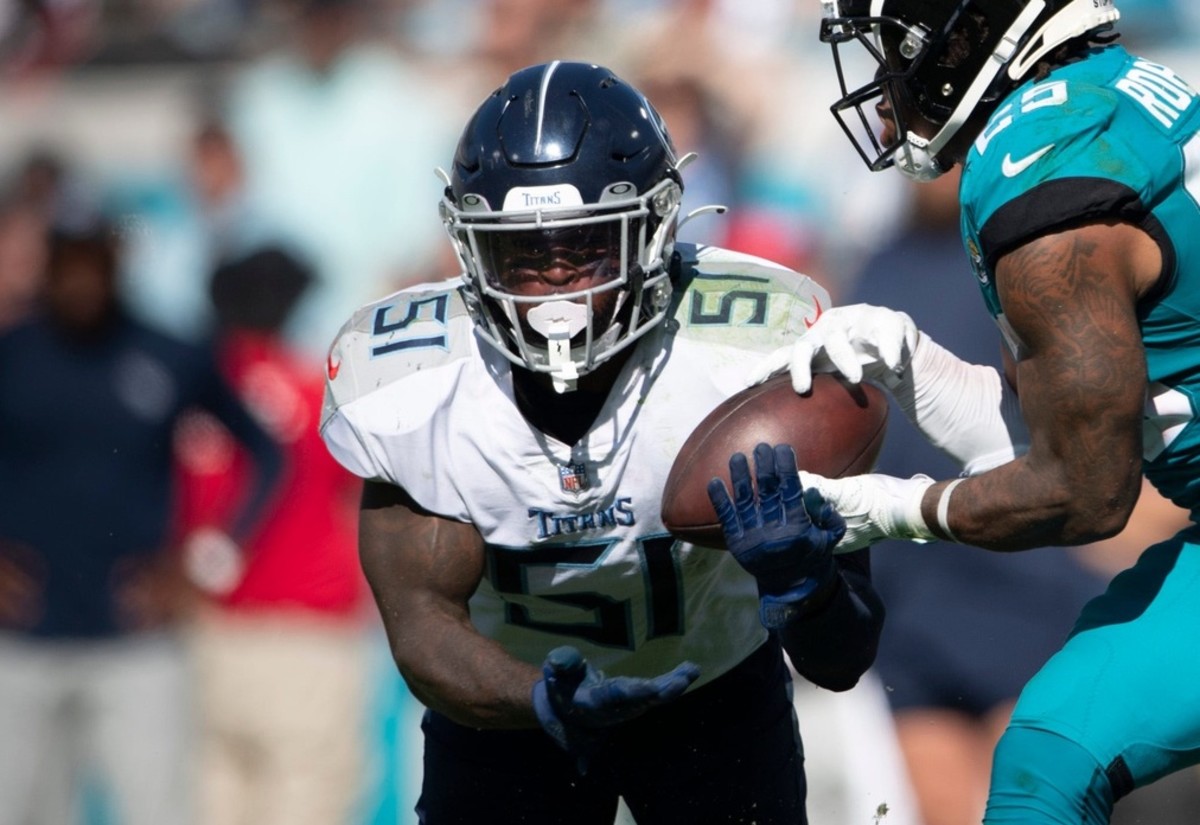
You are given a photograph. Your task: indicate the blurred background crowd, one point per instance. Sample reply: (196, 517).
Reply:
(235, 177)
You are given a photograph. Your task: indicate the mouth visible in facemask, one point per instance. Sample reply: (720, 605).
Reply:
(887, 118)
(567, 321)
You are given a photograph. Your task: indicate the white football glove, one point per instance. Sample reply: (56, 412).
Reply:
(966, 410)
(875, 507)
(860, 341)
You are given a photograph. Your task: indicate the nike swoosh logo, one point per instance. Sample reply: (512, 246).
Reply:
(1011, 168)
(808, 324)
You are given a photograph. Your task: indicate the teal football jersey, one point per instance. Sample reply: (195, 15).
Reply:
(1110, 136)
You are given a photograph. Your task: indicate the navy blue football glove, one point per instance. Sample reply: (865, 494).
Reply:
(576, 704)
(784, 536)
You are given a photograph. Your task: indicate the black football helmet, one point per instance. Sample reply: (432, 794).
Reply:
(567, 169)
(943, 61)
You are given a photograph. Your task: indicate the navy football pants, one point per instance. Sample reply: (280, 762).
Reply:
(727, 752)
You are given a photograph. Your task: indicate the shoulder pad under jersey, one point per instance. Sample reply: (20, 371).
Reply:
(409, 345)
(749, 302)
(1047, 132)
(1079, 145)
(419, 328)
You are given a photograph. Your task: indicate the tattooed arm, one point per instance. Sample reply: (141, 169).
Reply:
(1071, 298)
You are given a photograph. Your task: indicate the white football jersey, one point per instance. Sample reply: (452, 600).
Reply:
(576, 549)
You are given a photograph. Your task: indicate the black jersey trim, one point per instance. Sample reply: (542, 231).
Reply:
(1120, 778)
(1066, 202)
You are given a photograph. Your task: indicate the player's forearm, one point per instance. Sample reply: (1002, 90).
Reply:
(1023, 505)
(833, 646)
(455, 671)
(1081, 476)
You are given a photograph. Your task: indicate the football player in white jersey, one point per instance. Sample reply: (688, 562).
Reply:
(515, 427)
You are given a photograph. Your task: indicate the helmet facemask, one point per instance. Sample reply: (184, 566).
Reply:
(888, 86)
(562, 287)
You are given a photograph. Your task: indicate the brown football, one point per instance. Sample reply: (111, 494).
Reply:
(836, 429)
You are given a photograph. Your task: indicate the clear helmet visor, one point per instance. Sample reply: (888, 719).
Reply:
(527, 262)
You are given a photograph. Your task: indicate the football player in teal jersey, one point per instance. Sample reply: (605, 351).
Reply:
(1080, 189)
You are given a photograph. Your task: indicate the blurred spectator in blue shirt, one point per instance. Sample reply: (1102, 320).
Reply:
(92, 673)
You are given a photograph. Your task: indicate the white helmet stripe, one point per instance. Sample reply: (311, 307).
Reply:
(1000, 56)
(541, 115)
(1076, 18)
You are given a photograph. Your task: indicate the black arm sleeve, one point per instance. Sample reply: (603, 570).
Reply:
(835, 642)
(222, 402)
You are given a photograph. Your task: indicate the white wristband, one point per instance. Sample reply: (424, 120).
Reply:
(943, 508)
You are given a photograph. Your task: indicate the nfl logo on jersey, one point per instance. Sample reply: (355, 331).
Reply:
(573, 478)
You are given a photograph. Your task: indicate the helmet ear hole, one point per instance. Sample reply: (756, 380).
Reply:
(617, 191)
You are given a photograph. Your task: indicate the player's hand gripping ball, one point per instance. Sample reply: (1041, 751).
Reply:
(836, 429)
(780, 533)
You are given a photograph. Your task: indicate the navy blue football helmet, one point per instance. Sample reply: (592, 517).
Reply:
(943, 61)
(564, 169)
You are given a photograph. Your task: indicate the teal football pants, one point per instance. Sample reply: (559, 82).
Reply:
(1117, 707)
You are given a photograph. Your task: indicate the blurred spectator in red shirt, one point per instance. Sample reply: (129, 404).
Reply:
(281, 658)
